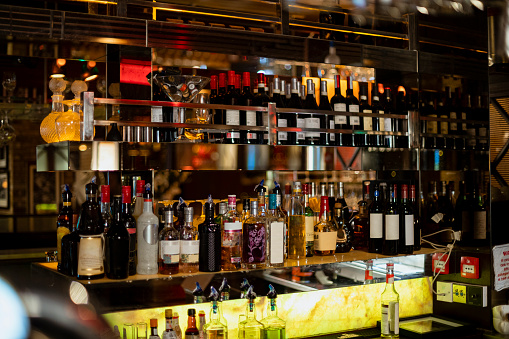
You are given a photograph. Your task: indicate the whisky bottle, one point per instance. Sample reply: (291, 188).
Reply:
(254, 236)
(189, 244)
(325, 231)
(169, 246)
(251, 328)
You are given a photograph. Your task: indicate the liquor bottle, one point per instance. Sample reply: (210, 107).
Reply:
(378, 123)
(224, 290)
(444, 215)
(231, 116)
(376, 222)
(198, 294)
(331, 195)
(282, 118)
(344, 237)
(153, 329)
(210, 241)
(368, 273)
(406, 223)
(244, 286)
(169, 246)
(325, 231)
(170, 332)
(117, 245)
(352, 104)
(254, 236)
(389, 123)
(216, 328)
(70, 244)
(64, 223)
(391, 238)
(341, 199)
(214, 100)
(106, 207)
(138, 200)
(232, 237)
(338, 103)
(279, 194)
(189, 244)
(251, 328)
(367, 122)
(296, 225)
(176, 325)
(401, 126)
(310, 220)
(147, 226)
(274, 326)
(201, 317)
(90, 230)
(390, 306)
(480, 231)
(417, 222)
(276, 233)
(261, 99)
(223, 207)
(296, 120)
(130, 224)
(360, 226)
(302, 93)
(192, 331)
(312, 121)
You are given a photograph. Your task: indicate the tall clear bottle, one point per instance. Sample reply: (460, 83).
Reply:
(251, 328)
(296, 225)
(231, 253)
(254, 235)
(276, 227)
(390, 306)
(215, 328)
(147, 227)
(189, 244)
(275, 327)
(210, 241)
(169, 246)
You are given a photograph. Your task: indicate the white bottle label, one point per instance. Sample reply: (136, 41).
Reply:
(381, 122)
(189, 250)
(353, 108)
(301, 123)
(355, 121)
(277, 230)
(325, 241)
(310, 228)
(251, 135)
(233, 135)
(250, 118)
(368, 121)
(409, 230)
(232, 117)
(233, 226)
(90, 255)
(169, 251)
(340, 107)
(376, 225)
(480, 225)
(392, 227)
(387, 124)
(453, 125)
(385, 320)
(332, 136)
(394, 316)
(156, 114)
(340, 119)
(282, 135)
(312, 123)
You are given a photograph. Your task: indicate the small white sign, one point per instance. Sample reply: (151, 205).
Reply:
(501, 266)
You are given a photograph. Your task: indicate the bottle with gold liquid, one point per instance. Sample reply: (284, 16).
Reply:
(68, 123)
(296, 225)
(48, 127)
(215, 328)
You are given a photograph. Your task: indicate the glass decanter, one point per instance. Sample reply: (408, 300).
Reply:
(68, 123)
(48, 127)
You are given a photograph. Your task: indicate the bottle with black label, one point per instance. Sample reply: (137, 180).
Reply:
(376, 222)
(391, 221)
(338, 103)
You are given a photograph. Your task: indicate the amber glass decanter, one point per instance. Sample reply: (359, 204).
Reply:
(68, 123)
(48, 127)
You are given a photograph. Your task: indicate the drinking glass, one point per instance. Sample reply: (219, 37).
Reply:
(128, 332)
(9, 83)
(141, 330)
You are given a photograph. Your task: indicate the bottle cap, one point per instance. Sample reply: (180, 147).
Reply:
(288, 188)
(222, 208)
(191, 312)
(168, 313)
(168, 215)
(323, 87)
(153, 322)
(324, 204)
(297, 186)
(337, 81)
(198, 291)
(224, 286)
(305, 189)
(175, 315)
(91, 188)
(390, 265)
(222, 80)
(201, 314)
(310, 84)
(261, 79)
(295, 85)
(232, 200)
(188, 214)
(105, 193)
(66, 193)
(213, 82)
(246, 79)
(126, 194)
(147, 195)
(139, 186)
(283, 86)
(231, 78)
(277, 85)
(238, 80)
(214, 296)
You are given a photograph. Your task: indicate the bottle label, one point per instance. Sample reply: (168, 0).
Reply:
(310, 228)
(250, 118)
(340, 119)
(480, 225)
(189, 250)
(312, 123)
(251, 135)
(381, 122)
(156, 114)
(453, 125)
(255, 251)
(282, 135)
(232, 237)
(332, 136)
(385, 320)
(394, 316)
(151, 234)
(232, 117)
(463, 124)
(192, 336)
(233, 135)
(409, 230)
(355, 121)
(376, 225)
(340, 107)
(276, 241)
(169, 251)
(325, 241)
(90, 255)
(175, 116)
(368, 121)
(353, 108)
(387, 124)
(432, 126)
(301, 123)
(392, 227)
(233, 226)
(444, 126)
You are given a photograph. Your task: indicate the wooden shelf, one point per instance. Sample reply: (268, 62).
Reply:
(316, 260)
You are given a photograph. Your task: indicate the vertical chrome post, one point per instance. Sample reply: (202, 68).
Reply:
(414, 135)
(87, 126)
(272, 124)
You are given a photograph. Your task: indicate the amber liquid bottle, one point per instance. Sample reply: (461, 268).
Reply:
(325, 231)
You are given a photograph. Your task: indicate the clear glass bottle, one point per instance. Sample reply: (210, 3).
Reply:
(254, 236)
(189, 244)
(276, 227)
(169, 246)
(231, 253)
(147, 227)
(325, 231)
(275, 327)
(48, 127)
(390, 306)
(153, 329)
(215, 328)
(170, 332)
(68, 124)
(296, 225)
(106, 207)
(251, 328)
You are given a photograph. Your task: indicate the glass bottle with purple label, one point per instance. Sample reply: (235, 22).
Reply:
(254, 236)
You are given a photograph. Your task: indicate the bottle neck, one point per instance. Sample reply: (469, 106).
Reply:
(215, 310)
(105, 207)
(390, 276)
(191, 322)
(147, 205)
(272, 308)
(169, 325)
(251, 310)
(92, 197)
(126, 208)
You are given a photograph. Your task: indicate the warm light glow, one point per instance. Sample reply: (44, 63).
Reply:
(402, 89)
(59, 76)
(92, 77)
(91, 64)
(422, 10)
(82, 147)
(61, 62)
(381, 88)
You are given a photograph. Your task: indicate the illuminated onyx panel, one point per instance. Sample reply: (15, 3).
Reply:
(306, 313)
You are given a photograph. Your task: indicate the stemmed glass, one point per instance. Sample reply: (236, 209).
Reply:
(7, 132)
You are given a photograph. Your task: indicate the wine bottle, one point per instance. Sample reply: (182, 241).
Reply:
(449, 111)
(292, 121)
(338, 103)
(169, 246)
(261, 99)
(391, 220)
(248, 118)
(238, 82)
(402, 108)
(210, 241)
(282, 118)
(216, 114)
(367, 122)
(470, 128)
(130, 224)
(70, 244)
(352, 105)
(431, 127)
(138, 200)
(106, 207)
(64, 223)
(417, 219)
(460, 142)
(344, 237)
(147, 227)
(376, 216)
(231, 116)
(378, 123)
(480, 231)
(389, 123)
(117, 245)
(189, 244)
(310, 220)
(482, 113)
(406, 223)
